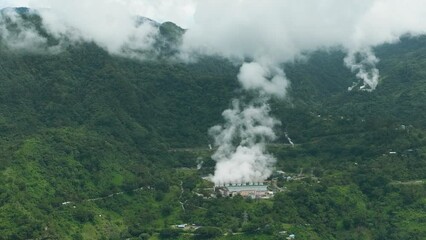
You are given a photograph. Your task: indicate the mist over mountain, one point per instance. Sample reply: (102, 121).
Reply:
(102, 139)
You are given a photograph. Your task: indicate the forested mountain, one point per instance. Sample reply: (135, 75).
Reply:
(99, 146)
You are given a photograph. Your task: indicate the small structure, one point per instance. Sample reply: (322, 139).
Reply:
(181, 225)
(186, 227)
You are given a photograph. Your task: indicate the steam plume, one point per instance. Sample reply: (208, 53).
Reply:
(267, 80)
(364, 63)
(241, 142)
(241, 155)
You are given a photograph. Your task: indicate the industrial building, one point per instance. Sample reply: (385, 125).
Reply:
(249, 190)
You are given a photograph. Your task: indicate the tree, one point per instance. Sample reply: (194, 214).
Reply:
(169, 233)
(207, 233)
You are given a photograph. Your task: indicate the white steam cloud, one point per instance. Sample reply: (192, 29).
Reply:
(267, 79)
(241, 142)
(364, 63)
(241, 156)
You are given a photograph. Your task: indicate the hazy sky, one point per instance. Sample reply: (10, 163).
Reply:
(13, 3)
(178, 11)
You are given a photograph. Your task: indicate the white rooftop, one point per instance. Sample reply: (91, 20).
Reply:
(239, 188)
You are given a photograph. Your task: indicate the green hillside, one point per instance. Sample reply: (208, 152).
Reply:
(99, 146)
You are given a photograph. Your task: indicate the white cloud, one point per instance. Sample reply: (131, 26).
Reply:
(280, 30)
(24, 38)
(109, 23)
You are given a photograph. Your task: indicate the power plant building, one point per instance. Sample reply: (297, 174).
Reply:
(249, 190)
